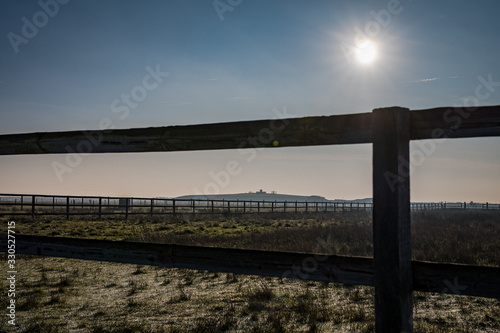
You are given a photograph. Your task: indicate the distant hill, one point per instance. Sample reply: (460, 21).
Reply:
(257, 196)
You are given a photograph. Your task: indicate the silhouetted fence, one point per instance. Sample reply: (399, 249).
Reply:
(52, 205)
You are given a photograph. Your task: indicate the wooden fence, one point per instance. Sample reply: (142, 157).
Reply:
(390, 130)
(33, 205)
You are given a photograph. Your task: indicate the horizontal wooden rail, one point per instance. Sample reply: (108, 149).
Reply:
(455, 122)
(244, 134)
(267, 263)
(292, 132)
(471, 280)
(429, 277)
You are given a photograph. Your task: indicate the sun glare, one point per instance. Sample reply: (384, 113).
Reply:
(366, 53)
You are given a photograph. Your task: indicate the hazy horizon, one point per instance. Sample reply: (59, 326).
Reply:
(92, 65)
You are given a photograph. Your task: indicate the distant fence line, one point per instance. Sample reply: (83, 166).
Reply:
(44, 205)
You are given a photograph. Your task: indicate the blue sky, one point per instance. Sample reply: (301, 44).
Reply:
(263, 56)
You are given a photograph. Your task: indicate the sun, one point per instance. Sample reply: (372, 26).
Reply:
(366, 53)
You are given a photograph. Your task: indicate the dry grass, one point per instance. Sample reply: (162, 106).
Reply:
(471, 237)
(66, 295)
(468, 237)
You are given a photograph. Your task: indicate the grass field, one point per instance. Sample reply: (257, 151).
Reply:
(66, 295)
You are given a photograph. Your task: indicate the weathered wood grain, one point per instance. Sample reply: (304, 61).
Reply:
(455, 122)
(427, 277)
(307, 131)
(348, 270)
(391, 221)
(456, 279)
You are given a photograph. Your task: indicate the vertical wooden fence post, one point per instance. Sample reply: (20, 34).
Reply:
(152, 207)
(173, 206)
(67, 208)
(391, 221)
(33, 202)
(126, 209)
(100, 207)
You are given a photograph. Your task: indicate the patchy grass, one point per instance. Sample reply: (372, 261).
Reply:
(471, 237)
(66, 295)
(179, 227)
(100, 300)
